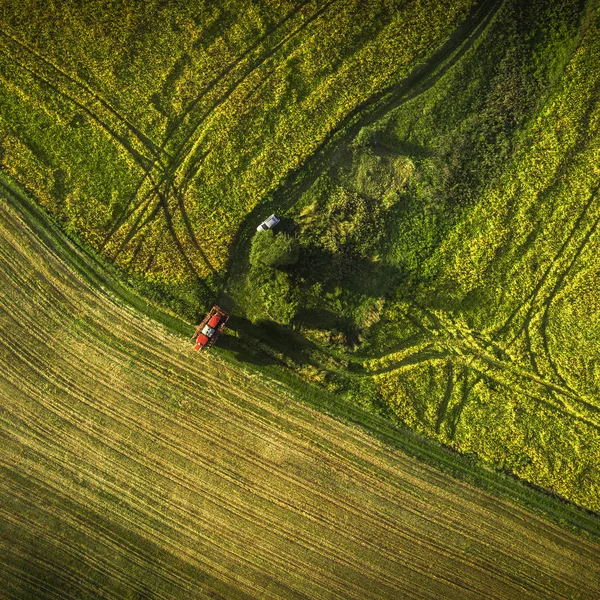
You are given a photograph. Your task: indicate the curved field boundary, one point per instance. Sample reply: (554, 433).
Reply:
(132, 465)
(98, 274)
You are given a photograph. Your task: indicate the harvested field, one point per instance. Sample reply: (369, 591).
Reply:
(134, 468)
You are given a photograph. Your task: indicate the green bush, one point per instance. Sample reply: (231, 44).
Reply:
(269, 296)
(270, 250)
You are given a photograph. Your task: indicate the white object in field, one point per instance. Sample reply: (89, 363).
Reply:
(268, 223)
(208, 331)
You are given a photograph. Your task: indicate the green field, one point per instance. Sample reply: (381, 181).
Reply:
(153, 132)
(433, 282)
(449, 252)
(132, 467)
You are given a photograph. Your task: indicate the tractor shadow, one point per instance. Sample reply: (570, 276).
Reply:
(262, 343)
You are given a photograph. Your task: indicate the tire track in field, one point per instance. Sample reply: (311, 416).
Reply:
(555, 276)
(257, 64)
(147, 212)
(530, 300)
(171, 229)
(147, 142)
(142, 243)
(168, 171)
(178, 195)
(459, 346)
(143, 161)
(238, 61)
(127, 213)
(502, 363)
(421, 79)
(564, 400)
(443, 407)
(549, 299)
(579, 147)
(426, 354)
(464, 348)
(182, 152)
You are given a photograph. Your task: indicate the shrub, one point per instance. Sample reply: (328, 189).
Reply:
(270, 250)
(269, 296)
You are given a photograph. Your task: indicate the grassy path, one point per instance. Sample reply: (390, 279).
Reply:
(133, 467)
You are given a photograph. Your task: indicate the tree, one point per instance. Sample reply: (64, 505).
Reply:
(270, 296)
(273, 251)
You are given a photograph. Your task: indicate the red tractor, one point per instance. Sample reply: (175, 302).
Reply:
(208, 331)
